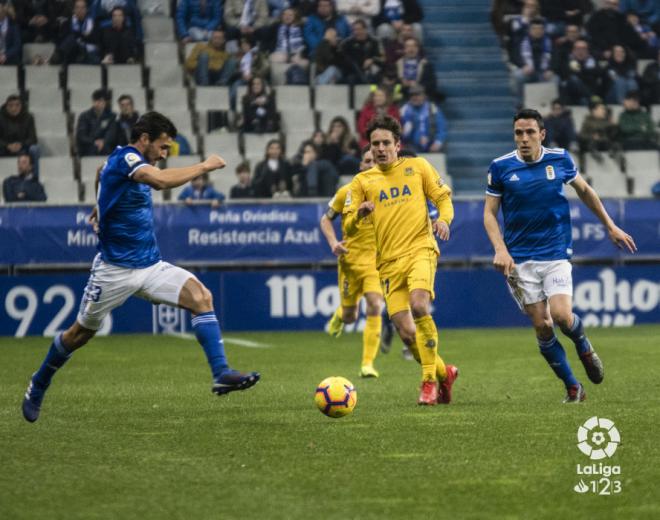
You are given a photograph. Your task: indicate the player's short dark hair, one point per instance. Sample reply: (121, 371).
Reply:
(384, 123)
(100, 93)
(124, 97)
(154, 124)
(529, 113)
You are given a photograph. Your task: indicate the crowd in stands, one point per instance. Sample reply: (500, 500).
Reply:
(591, 53)
(237, 44)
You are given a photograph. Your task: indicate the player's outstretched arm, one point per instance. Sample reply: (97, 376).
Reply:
(591, 199)
(502, 259)
(338, 248)
(173, 177)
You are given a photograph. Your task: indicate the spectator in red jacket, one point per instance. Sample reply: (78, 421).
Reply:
(377, 104)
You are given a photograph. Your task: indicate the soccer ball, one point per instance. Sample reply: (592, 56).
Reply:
(335, 396)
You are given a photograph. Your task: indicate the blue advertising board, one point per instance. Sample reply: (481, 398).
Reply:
(304, 300)
(283, 233)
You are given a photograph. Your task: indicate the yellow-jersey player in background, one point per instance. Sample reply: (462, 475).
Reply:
(393, 194)
(356, 274)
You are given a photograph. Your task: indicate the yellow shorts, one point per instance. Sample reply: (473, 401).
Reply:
(355, 280)
(399, 277)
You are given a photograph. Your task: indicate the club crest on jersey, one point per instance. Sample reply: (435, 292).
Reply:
(550, 172)
(394, 193)
(408, 171)
(132, 159)
(347, 202)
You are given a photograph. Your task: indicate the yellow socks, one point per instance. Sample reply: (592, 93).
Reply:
(371, 339)
(426, 339)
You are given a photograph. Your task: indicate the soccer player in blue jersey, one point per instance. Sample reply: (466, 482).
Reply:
(129, 262)
(534, 252)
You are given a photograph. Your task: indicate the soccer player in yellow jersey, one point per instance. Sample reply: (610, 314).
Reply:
(393, 194)
(357, 275)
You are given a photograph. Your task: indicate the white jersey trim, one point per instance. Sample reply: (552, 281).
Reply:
(505, 156)
(130, 174)
(493, 194)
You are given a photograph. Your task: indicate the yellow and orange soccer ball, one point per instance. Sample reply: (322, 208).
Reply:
(335, 396)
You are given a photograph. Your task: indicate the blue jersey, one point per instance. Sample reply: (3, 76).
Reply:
(537, 219)
(126, 222)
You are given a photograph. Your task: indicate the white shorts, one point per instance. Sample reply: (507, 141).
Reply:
(533, 282)
(109, 286)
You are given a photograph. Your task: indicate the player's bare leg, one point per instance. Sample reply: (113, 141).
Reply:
(199, 301)
(371, 334)
(561, 310)
(552, 350)
(59, 353)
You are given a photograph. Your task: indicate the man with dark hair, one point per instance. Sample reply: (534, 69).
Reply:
(636, 128)
(127, 117)
(363, 56)
(129, 261)
(23, 187)
(118, 42)
(17, 130)
(560, 129)
(243, 188)
(78, 38)
(394, 192)
(96, 130)
(535, 249)
(356, 274)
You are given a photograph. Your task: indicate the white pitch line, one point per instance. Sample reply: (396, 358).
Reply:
(232, 341)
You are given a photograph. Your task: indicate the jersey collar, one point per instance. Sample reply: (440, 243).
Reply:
(533, 162)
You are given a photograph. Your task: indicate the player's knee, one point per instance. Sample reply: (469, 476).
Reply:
(563, 320)
(373, 307)
(419, 308)
(543, 328)
(201, 300)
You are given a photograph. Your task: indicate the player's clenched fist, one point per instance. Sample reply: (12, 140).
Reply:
(214, 162)
(365, 208)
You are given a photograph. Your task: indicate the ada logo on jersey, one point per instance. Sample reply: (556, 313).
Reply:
(550, 172)
(132, 159)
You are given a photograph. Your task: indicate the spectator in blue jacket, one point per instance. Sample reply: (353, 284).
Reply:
(424, 125)
(197, 19)
(648, 10)
(201, 189)
(10, 38)
(317, 23)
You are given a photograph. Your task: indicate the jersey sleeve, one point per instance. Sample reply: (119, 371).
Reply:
(354, 197)
(130, 163)
(494, 187)
(437, 191)
(570, 170)
(336, 205)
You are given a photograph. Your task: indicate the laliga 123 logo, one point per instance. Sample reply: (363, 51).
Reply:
(598, 439)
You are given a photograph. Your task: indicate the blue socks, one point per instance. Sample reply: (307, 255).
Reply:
(555, 355)
(56, 357)
(576, 333)
(207, 332)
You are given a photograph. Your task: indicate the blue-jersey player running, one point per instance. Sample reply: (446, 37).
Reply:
(129, 262)
(528, 184)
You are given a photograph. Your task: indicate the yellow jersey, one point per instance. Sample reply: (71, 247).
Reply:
(400, 217)
(362, 244)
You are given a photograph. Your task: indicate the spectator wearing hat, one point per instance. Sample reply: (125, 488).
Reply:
(423, 124)
(95, 131)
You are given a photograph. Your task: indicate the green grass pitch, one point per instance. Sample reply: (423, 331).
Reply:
(130, 429)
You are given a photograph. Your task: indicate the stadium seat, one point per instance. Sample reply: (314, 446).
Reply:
(539, 96)
(606, 176)
(7, 90)
(327, 115)
(643, 167)
(89, 76)
(278, 73)
(88, 167)
(579, 113)
(181, 119)
(360, 95)
(9, 77)
(8, 166)
(56, 167)
(303, 120)
(642, 64)
(46, 99)
(156, 53)
(240, 92)
(253, 143)
(615, 110)
(37, 51)
(61, 191)
(158, 28)
(655, 113)
(124, 76)
(221, 143)
(328, 97)
(154, 7)
(170, 99)
(89, 195)
(165, 73)
(50, 123)
(42, 76)
(80, 98)
(54, 145)
(157, 196)
(211, 98)
(294, 138)
(181, 161)
(293, 97)
(438, 161)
